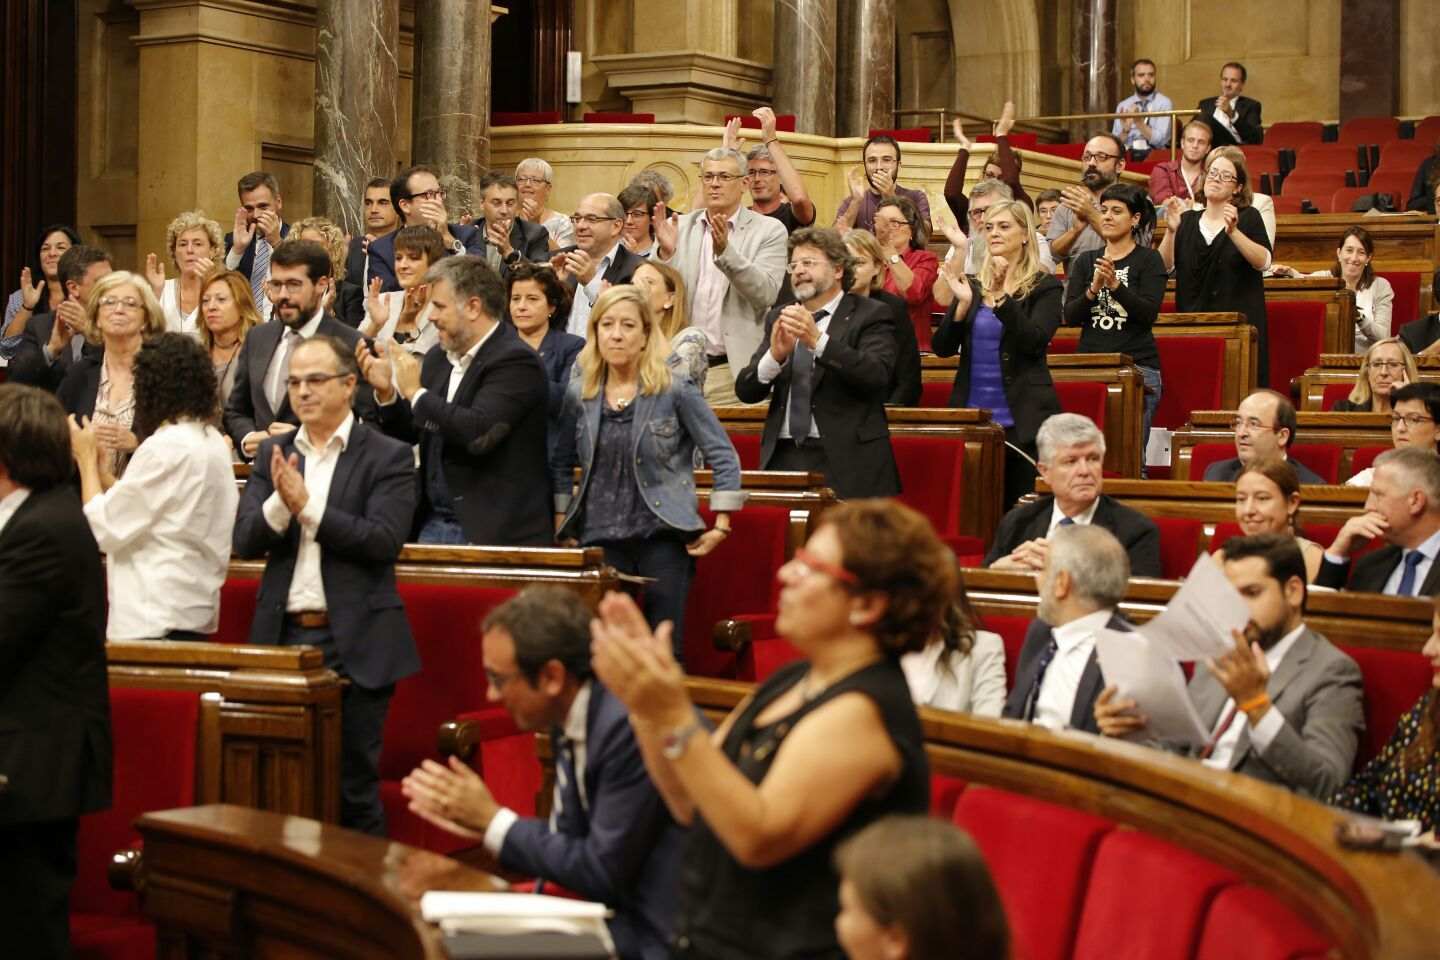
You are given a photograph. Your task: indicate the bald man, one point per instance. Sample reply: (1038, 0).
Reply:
(599, 261)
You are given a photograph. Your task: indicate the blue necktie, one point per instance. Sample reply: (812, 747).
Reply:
(1407, 579)
(1066, 522)
(260, 271)
(802, 385)
(1047, 657)
(565, 814)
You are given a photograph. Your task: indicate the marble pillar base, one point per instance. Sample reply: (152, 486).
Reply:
(686, 86)
(452, 96)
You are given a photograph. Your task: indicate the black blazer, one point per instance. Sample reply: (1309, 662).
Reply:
(493, 435)
(382, 252)
(904, 388)
(54, 690)
(1029, 324)
(355, 261)
(368, 513)
(1136, 532)
(558, 352)
(81, 385)
(852, 380)
(530, 240)
(1247, 122)
(1369, 573)
(247, 409)
(1417, 334)
(1225, 471)
(247, 259)
(1037, 638)
(27, 364)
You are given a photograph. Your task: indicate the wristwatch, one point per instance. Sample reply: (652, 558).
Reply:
(674, 743)
(894, 258)
(456, 247)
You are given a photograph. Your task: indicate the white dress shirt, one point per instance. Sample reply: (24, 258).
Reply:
(708, 299)
(1082, 519)
(459, 364)
(175, 321)
(279, 367)
(972, 682)
(1074, 642)
(1428, 550)
(587, 293)
(769, 368)
(11, 503)
(575, 719)
(307, 589)
(165, 528)
(1270, 725)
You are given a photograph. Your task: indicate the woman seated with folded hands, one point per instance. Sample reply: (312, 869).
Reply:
(1387, 365)
(1415, 409)
(1267, 500)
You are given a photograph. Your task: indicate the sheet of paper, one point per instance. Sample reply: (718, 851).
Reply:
(1142, 672)
(1197, 622)
(438, 905)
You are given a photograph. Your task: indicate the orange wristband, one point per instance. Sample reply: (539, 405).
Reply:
(1259, 701)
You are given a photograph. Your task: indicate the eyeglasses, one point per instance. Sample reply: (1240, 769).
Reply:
(1249, 423)
(1409, 419)
(763, 173)
(313, 380)
(1098, 157)
(636, 215)
(889, 222)
(589, 219)
(977, 213)
(293, 286)
(1219, 176)
(720, 177)
(806, 264)
(809, 563)
(531, 181)
(130, 303)
(436, 194)
(1387, 364)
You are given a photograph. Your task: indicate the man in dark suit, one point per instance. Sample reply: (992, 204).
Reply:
(1233, 119)
(609, 837)
(259, 229)
(506, 238)
(476, 406)
(419, 201)
(53, 341)
(1265, 427)
(328, 506)
(1058, 676)
(1283, 705)
(1403, 509)
(601, 259)
(381, 219)
(1072, 452)
(55, 751)
(259, 405)
(824, 364)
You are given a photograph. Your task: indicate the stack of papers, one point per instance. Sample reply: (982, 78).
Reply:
(518, 925)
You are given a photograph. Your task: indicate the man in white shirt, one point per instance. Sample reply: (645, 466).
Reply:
(600, 259)
(1284, 705)
(609, 836)
(1058, 676)
(329, 507)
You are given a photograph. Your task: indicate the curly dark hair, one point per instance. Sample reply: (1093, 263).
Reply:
(893, 550)
(555, 293)
(174, 380)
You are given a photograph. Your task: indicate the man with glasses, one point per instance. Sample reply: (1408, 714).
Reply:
(328, 506)
(1075, 227)
(259, 405)
(733, 261)
(1403, 510)
(1264, 430)
(825, 367)
(600, 260)
(776, 187)
(1181, 177)
(420, 201)
(1233, 119)
(877, 179)
(1415, 410)
(506, 238)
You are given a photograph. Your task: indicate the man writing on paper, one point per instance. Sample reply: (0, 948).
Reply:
(1284, 706)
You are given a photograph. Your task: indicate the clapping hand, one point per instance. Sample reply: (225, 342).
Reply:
(637, 665)
(667, 230)
(1175, 206)
(84, 445)
(782, 340)
(719, 231)
(958, 128)
(1006, 123)
(376, 306)
(155, 273)
(800, 323)
(415, 300)
(376, 370)
(30, 295)
(1104, 277)
(858, 183)
(953, 270)
(1081, 203)
(731, 139)
(453, 797)
(405, 368)
(766, 116)
(1232, 217)
(244, 229)
(289, 482)
(268, 223)
(529, 209)
(999, 270)
(113, 436)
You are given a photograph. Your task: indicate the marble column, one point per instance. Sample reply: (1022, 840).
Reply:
(805, 64)
(357, 73)
(1369, 55)
(1092, 51)
(866, 91)
(452, 96)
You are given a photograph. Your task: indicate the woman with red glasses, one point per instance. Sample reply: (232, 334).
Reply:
(768, 795)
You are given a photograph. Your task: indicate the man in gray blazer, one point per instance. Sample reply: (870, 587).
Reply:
(733, 261)
(1284, 706)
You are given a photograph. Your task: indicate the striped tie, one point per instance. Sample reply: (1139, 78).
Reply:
(259, 273)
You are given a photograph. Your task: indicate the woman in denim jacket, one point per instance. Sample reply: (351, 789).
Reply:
(632, 424)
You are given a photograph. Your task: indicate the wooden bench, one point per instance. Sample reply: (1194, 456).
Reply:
(1346, 431)
(1342, 369)
(1214, 503)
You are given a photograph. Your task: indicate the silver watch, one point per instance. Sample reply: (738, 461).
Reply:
(674, 744)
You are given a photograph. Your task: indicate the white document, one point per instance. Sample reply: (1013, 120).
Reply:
(438, 905)
(1140, 671)
(1197, 622)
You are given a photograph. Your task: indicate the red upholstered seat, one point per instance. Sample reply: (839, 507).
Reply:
(1245, 921)
(739, 576)
(1365, 457)
(1297, 338)
(1204, 454)
(944, 794)
(1085, 397)
(1316, 187)
(1066, 345)
(1404, 154)
(932, 481)
(1146, 898)
(1293, 134)
(1041, 858)
(935, 393)
(1323, 458)
(1193, 368)
(1260, 159)
(619, 118)
(905, 134)
(1394, 680)
(1179, 545)
(747, 448)
(1428, 130)
(1343, 200)
(1070, 151)
(1406, 306)
(763, 657)
(154, 734)
(512, 119)
(1012, 634)
(1288, 204)
(1322, 157)
(1369, 130)
(784, 122)
(1394, 182)
(237, 610)
(1020, 141)
(1334, 393)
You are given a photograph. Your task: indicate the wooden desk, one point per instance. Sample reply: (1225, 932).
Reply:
(1349, 431)
(227, 881)
(1215, 502)
(1345, 368)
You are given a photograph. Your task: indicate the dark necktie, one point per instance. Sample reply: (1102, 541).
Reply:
(1407, 579)
(565, 816)
(802, 386)
(1066, 522)
(1047, 657)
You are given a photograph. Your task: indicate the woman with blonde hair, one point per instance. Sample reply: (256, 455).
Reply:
(665, 288)
(1000, 324)
(227, 315)
(195, 242)
(1386, 367)
(632, 427)
(120, 315)
(347, 300)
(871, 274)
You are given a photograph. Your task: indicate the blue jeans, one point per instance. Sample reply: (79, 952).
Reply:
(1153, 390)
(442, 530)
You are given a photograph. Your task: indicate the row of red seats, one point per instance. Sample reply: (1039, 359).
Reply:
(1296, 134)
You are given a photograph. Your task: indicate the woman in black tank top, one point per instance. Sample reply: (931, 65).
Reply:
(823, 748)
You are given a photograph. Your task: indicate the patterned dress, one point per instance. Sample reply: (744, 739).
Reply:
(1403, 781)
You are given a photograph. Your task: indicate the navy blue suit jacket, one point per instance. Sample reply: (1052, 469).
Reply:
(367, 517)
(1037, 638)
(382, 252)
(628, 855)
(247, 259)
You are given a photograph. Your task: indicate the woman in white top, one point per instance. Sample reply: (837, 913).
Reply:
(1414, 408)
(533, 179)
(165, 526)
(195, 243)
(403, 316)
(1374, 297)
(962, 668)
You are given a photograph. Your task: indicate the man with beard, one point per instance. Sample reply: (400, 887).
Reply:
(259, 404)
(825, 365)
(878, 179)
(1181, 177)
(1284, 705)
(1074, 228)
(1233, 119)
(1139, 134)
